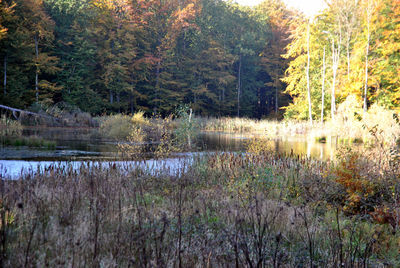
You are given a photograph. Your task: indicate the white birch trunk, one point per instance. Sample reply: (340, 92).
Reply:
(5, 75)
(37, 68)
(239, 85)
(323, 88)
(366, 56)
(308, 76)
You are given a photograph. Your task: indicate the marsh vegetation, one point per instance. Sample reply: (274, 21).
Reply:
(253, 209)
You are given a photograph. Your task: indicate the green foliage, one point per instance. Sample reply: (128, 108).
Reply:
(31, 141)
(246, 184)
(120, 56)
(110, 57)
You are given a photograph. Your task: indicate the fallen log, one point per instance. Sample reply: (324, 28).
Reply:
(15, 111)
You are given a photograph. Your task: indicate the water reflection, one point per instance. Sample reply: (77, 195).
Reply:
(77, 145)
(296, 145)
(85, 144)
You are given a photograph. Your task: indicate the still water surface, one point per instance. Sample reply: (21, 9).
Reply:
(77, 145)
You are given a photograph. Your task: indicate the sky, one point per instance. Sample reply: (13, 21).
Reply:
(309, 7)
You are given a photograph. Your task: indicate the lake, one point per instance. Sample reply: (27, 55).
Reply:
(77, 145)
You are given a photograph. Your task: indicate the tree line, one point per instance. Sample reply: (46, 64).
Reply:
(109, 56)
(351, 48)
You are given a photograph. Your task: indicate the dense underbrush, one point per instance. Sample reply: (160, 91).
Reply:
(246, 210)
(137, 134)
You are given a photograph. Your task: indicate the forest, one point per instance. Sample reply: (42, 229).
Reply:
(222, 59)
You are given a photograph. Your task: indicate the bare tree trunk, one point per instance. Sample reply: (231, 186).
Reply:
(221, 105)
(73, 71)
(276, 97)
(111, 97)
(131, 102)
(158, 68)
(334, 69)
(366, 56)
(323, 88)
(190, 122)
(276, 82)
(118, 101)
(348, 16)
(348, 57)
(5, 75)
(335, 66)
(239, 85)
(366, 78)
(308, 76)
(37, 68)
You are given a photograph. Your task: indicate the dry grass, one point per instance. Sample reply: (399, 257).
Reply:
(251, 210)
(120, 126)
(9, 127)
(245, 125)
(350, 124)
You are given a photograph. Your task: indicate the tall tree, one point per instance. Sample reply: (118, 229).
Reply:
(385, 63)
(308, 75)
(38, 28)
(6, 17)
(304, 55)
(281, 22)
(368, 16)
(323, 86)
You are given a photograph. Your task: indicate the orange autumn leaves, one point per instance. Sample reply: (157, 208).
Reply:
(364, 194)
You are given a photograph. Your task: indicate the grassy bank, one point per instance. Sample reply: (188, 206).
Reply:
(256, 209)
(32, 141)
(11, 135)
(350, 125)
